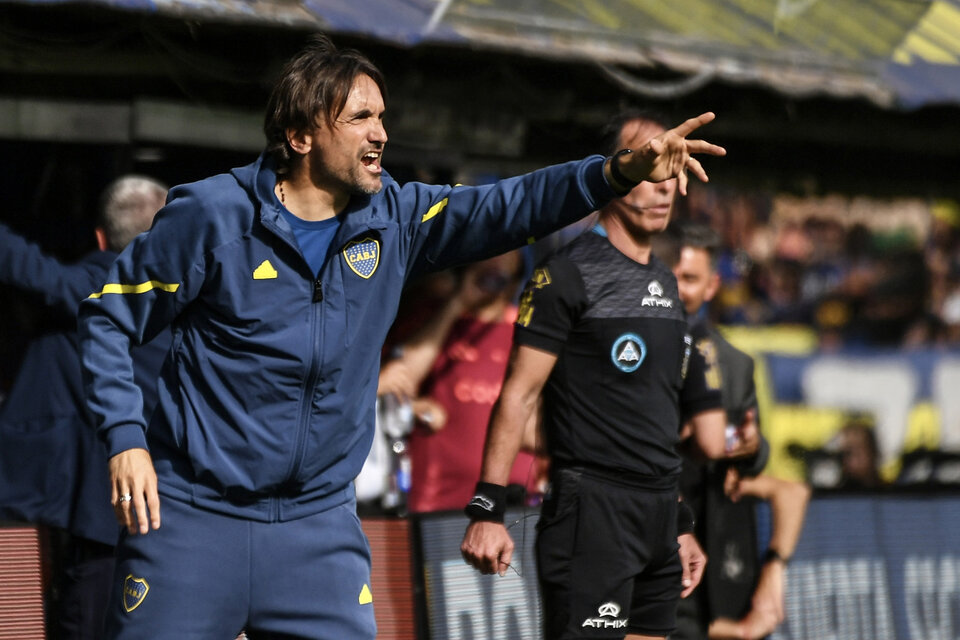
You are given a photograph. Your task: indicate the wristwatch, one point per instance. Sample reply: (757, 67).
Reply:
(617, 175)
(772, 555)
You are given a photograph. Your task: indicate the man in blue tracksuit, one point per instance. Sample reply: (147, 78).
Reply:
(280, 281)
(52, 468)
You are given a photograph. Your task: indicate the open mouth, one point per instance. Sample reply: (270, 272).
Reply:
(371, 161)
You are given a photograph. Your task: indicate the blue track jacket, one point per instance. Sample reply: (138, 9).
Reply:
(267, 396)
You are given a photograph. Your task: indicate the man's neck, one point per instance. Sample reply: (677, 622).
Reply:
(634, 245)
(307, 199)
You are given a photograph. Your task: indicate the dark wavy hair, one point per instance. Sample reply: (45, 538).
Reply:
(313, 87)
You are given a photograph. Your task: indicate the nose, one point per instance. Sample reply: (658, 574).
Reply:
(379, 133)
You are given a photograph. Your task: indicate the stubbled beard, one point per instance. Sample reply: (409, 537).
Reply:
(360, 190)
(356, 185)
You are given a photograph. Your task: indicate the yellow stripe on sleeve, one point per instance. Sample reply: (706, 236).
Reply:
(143, 287)
(434, 210)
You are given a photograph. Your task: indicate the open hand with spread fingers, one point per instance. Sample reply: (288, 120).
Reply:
(666, 156)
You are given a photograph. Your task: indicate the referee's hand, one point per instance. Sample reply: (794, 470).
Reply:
(487, 547)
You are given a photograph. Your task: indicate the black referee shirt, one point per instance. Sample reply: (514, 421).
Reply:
(626, 370)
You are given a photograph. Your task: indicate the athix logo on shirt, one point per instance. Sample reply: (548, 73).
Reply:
(607, 619)
(362, 256)
(134, 591)
(656, 299)
(628, 352)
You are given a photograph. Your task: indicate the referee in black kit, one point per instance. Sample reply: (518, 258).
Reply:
(602, 337)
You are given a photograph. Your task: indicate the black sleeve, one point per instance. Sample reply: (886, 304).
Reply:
(550, 306)
(703, 381)
(739, 396)
(755, 464)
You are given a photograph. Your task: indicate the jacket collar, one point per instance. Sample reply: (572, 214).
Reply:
(362, 213)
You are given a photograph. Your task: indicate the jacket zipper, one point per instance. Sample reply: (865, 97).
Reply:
(306, 397)
(316, 357)
(307, 390)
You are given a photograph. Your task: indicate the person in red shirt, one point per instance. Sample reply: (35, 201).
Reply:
(454, 367)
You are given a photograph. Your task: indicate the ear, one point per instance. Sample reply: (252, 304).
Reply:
(101, 238)
(300, 141)
(712, 287)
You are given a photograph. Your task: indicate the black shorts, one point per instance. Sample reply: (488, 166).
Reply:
(607, 559)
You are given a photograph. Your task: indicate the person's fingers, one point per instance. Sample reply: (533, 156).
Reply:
(490, 562)
(477, 549)
(694, 166)
(731, 484)
(153, 504)
(682, 180)
(697, 569)
(115, 501)
(692, 124)
(505, 557)
(702, 146)
(692, 572)
(123, 507)
(140, 512)
(657, 146)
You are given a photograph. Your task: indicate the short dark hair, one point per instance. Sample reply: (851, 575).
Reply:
(679, 235)
(614, 127)
(314, 84)
(697, 235)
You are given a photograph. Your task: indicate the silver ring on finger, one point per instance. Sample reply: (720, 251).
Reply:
(126, 497)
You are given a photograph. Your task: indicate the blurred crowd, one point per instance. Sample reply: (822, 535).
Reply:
(862, 272)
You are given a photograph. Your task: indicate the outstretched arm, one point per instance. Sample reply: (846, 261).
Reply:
(454, 225)
(26, 266)
(487, 545)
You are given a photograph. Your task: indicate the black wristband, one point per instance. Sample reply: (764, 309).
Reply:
(772, 555)
(685, 518)
(618, 177)
(488, 503)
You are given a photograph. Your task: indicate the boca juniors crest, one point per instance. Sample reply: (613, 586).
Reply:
(134, 591)
(362, 256)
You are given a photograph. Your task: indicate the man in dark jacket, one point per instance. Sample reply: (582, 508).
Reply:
(280, 280)
(742, 595)
(52, 469)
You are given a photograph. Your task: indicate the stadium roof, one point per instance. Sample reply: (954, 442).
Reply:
(896, 53)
